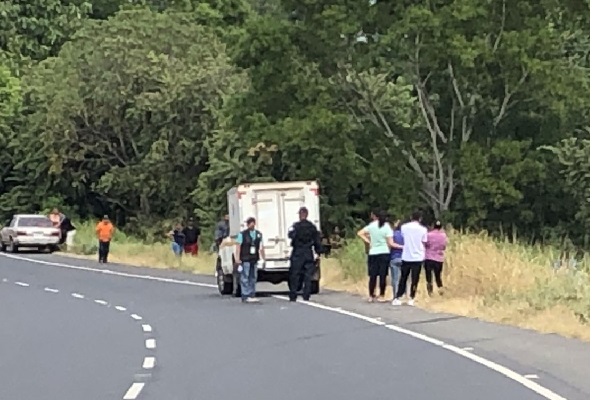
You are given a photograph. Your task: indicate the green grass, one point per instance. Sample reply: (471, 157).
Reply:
(484, 278)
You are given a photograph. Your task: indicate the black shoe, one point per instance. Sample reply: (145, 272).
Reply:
(293, 299)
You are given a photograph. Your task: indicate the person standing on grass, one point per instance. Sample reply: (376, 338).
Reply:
(396, 258)
(435, 249)
(379, 236)
(192, 236)
(249, 250)
(104, 232)
(177, 239)
(413, 255)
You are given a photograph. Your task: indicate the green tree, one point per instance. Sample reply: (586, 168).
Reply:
(128, 130)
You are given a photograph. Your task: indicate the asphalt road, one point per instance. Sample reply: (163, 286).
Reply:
(73, 334)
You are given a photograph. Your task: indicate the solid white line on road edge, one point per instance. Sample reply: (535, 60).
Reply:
(539, 389)
(77, 295)
(134, 391)
(149, 363)
(109, 272)
(51, 290)
(146, 328)
(101, 302)
(22, 284)
(150, 343)
(136, 317)
(535, 387)
(120, 308)
(531, 376)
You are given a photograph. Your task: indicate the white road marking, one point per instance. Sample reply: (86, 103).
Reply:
(101, 302)
(150, 343)
(531, 376)
(120, 308)
(22, 284)
(468, 349)
(134, 391)
(146, 328)
(136, 317)
(535, 387)
(149, 363)
(77, 295)
(51, 290)
(4, 280)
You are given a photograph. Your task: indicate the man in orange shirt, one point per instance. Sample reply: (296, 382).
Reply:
(104, 232)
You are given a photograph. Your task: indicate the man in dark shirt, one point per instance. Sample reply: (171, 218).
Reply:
(305, 238)
(221, 232)
(192, 235)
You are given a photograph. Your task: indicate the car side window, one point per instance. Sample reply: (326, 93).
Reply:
(13, 223)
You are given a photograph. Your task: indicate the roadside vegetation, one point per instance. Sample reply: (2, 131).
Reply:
(485, 278)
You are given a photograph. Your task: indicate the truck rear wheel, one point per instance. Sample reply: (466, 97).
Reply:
(315, 287)
(224, 282)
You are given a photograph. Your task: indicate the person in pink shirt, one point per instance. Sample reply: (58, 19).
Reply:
(435, 250)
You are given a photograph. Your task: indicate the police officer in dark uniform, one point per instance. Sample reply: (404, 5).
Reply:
(305, 237)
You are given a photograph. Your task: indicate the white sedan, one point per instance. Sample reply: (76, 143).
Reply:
(29, 230)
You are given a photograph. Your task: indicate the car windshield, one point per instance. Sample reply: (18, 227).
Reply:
(38, 222)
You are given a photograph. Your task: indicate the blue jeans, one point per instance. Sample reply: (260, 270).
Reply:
(177, 249)
(395, 275)
(248, 280)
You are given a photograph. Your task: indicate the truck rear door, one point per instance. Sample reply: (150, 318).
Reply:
(276, 211)
(268, 221)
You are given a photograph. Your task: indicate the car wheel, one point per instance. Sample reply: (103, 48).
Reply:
(12, 247)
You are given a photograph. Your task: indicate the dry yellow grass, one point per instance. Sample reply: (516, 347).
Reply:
(483, 278)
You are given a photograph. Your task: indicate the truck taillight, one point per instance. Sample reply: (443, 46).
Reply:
(315, 191)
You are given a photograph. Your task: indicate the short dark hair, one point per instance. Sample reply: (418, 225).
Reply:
(251, 220)
(417, 215)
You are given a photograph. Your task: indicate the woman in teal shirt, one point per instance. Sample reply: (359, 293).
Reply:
(379, 236)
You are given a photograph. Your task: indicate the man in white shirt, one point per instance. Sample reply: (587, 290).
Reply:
(413, 255)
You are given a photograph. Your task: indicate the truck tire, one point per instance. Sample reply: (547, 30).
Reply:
(315, 287)
(224, 282)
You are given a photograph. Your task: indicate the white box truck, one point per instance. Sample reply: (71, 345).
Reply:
(275, 207)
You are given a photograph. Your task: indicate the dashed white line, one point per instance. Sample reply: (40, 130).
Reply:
(50, 290)
(150, 343)
(146, 328)
(535, 387)
(149, 363)
(120, 308)
(77, 295)
(22, 284)
(134, 391)
(101, 302)
(4, 280)
(136, 317)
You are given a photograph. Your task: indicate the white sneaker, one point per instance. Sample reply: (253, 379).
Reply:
(411, 302)
(396, 302)
(252, 300)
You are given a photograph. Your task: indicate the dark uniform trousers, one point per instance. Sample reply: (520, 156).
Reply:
(305, 238)
(302, 269)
